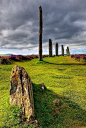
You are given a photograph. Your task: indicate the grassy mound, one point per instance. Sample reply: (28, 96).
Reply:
(65, 80)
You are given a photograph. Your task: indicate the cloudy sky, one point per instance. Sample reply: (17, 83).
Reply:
(64, 21)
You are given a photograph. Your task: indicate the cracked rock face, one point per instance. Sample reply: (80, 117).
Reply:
(21, 92)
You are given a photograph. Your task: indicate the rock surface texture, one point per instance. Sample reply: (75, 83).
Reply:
(40, 33)
(50, 48)
(56, 47)
(21, 92)
(67, 51)
(62, 50)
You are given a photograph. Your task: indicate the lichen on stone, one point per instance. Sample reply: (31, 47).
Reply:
(21, 92)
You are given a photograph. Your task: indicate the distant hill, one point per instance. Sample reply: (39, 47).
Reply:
(6, 54)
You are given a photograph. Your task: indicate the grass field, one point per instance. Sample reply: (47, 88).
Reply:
(65, 80)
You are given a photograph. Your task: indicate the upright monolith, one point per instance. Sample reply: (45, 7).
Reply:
(62, 50)
(50, 48)
(40, 33)
(56, 48)
(67, 51)
(21, 92)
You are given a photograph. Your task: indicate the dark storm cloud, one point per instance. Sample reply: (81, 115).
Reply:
(18, 36)
(64, 21)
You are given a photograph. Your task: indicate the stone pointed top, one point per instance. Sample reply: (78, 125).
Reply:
(50, 39)
(40, 7)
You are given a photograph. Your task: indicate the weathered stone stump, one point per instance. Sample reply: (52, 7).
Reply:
(62, 50)
(21, 92)
(67, 51)
(56, 47)
(50, 48)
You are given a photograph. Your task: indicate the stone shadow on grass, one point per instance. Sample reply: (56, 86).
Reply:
(64, 63)
(67, 114)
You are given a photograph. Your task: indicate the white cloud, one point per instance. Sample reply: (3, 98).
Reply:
(5, 33)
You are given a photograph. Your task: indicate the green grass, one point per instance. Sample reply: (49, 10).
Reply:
(64, 78)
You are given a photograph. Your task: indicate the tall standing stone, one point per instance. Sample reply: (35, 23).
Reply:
(50, 48)
(62, 50)
(21, 92)
(40, 33)
(67, 51)
(56, 48)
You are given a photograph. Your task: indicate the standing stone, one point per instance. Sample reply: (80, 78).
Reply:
(62, 50)
(40, 33)
(56, 47)
(50, 48)
(67, 51)
(21, 92)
